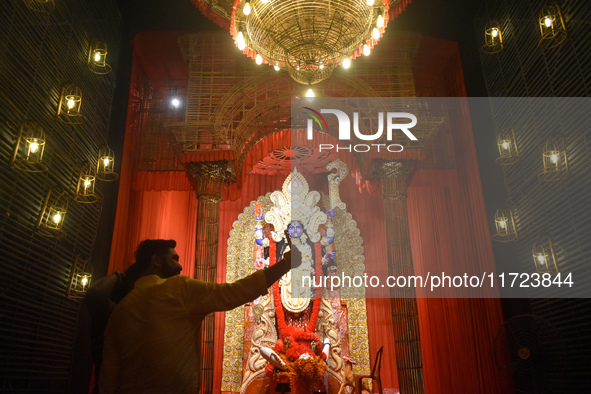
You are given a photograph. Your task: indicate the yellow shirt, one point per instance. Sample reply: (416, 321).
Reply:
(153, 337)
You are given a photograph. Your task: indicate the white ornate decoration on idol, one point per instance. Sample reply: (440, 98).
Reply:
(295, 203)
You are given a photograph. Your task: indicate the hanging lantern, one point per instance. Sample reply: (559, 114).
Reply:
(555, 162)
(493, 38)
(68, 108)
(508, 152)
(29, 147)
(80, 278)
(85, 192)
(544, 256)
(53, 213)
(97, 58)
(552, 27)
(505, 226)
(105, 168)
(43, 6)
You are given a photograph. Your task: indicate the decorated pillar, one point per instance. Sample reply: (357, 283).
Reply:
(209, 177)
(405, 318)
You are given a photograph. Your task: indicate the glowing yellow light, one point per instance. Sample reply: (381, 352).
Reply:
(106, 161)
(84, 281)
(86, 183)
(264, 1)
(175, 102)
(33, 146)
(370, 2)
(97, 57)
(259, 59)
(502, 223)
(310, 93)
(247, 8)
(554, 158)
(548, 21)
(321, 66)
(347, 63)
(276, 67)
(57, 218)
(240, 41)
(495, 32)
(71, 104)
(541, 258)
(505, 145)
(380, 21)
(376, 33)
(366, 50)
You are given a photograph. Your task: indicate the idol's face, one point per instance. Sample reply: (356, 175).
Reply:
(295, 230)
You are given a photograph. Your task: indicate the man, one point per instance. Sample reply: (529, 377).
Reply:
(106, 293)
(153, 338)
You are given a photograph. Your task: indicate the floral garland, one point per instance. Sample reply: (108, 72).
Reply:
(311, 326)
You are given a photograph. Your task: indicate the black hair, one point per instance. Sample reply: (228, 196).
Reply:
(143, 257)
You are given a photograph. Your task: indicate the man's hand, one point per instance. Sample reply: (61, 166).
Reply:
(293, 256)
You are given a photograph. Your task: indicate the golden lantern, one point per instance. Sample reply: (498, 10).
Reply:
(493, 38)
(68, 108)
(555, 162)
(29, 147)
(505, 226)
(43, 6)
(544, 256)
(85, 192)
(105, 167)
(53, 213)
(552, 27)
(80, 278)
(308, 38)
(97, 58)
(508, 151)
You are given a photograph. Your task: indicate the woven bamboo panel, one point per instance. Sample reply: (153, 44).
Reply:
(40, 53)
(559, 209)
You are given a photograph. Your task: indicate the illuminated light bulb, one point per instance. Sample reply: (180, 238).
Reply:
(541, 258)
(380, 21)
(505, 145)
(503, 223)
(97, 57)
(376, 33)
(57, 217)
(310, 93)
(175, 102)
(259, 59)
(276, 67)
(321, 66)
(86, 183)
(33, 146)
(370, 2)
(346, 63)
(264, 1)
(240, 41)
(247, 8)
(548, 21)
(554, 158)
(366, 50)
(495, 32)
(71, 104)
(106, 161)
(84, 281)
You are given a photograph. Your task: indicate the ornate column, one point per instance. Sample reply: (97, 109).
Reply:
(393, 177)
(210, 177)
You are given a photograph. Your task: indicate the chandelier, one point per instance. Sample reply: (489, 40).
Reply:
(307, 38)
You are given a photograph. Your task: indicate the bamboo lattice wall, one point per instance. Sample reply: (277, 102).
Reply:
(560, 209)
(40, 53)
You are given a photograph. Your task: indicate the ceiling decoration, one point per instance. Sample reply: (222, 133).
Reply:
(281, 161)
(307, 38)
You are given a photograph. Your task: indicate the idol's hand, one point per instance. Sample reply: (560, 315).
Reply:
(293, 256)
